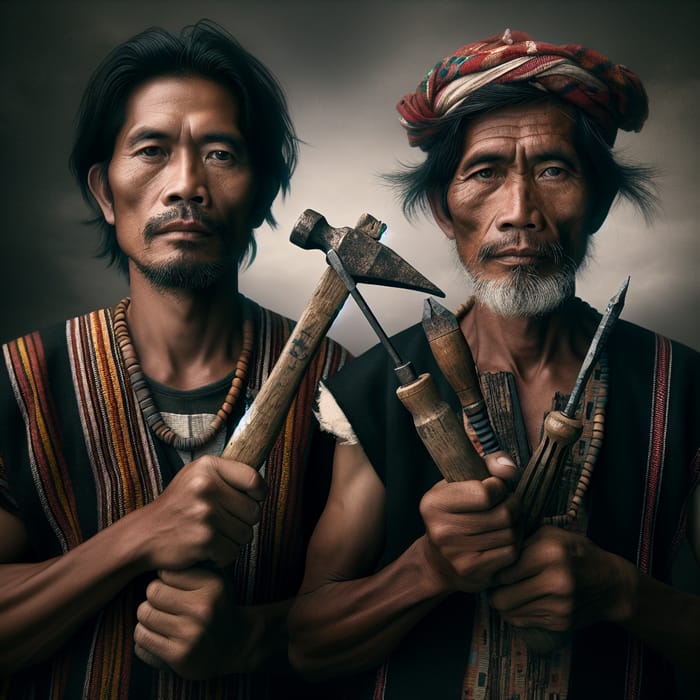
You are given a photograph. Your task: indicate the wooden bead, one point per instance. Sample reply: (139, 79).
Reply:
(139, 383)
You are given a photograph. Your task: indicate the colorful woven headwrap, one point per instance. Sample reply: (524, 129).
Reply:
(610, 94)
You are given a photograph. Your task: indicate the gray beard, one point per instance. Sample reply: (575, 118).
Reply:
(527, 293)
(183, 275)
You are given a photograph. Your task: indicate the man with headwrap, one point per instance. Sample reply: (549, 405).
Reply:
(420, 588)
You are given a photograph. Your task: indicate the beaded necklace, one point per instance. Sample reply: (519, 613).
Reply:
(140, 385)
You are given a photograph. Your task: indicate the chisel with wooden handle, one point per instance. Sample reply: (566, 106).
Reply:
(436, 423)
(454, 358)
(561, 428)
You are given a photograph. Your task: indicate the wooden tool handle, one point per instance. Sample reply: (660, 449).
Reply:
(543, 469)
(259, 428)
(454, 358)
(441, 432)
(534, 490)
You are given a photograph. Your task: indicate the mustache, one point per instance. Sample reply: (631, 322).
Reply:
(543, 249)
(180, 211)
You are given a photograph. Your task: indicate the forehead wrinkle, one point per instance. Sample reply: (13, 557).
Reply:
(169, 104)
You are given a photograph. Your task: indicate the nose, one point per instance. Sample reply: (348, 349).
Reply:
(186, 179)
(519, 207)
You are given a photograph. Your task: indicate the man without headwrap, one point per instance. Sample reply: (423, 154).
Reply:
(124, 537)
(425, 585)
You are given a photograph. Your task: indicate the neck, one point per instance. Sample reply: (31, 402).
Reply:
(183, 338)
(525, 346)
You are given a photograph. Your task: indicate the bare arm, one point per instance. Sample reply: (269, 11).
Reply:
(564, 582)
(205, 514)
(667, 619)
(346, 620)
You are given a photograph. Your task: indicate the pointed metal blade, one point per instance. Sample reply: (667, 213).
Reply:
(610, 316)
(437, 320)
(372, 262)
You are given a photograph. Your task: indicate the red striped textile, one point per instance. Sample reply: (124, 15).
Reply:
(654, 475)
(610, 94)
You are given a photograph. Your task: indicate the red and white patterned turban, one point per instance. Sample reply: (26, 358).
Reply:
(610, 94)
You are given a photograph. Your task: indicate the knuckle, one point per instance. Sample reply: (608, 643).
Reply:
(251, 511)
(254, 480)
(139, 634)
(425, 507)
(438, 532)
(153, 589)
(200, 482)
(504, 518)
(144, 639)
(510, 554)
(143, 613)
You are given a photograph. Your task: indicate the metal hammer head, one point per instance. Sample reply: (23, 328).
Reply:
(364, 257)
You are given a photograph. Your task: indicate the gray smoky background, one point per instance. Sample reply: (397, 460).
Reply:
(343, 65)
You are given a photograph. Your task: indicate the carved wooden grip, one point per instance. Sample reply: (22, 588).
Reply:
(455, 360)
(441, 432)
(534, 489)
(536, 483)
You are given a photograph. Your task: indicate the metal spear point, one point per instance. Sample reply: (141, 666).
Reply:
(561, 430)
(612, 313)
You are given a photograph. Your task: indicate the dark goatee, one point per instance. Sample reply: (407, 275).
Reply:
(186, 275)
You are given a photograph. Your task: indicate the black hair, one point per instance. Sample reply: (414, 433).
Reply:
(607, 174)
(203, 50)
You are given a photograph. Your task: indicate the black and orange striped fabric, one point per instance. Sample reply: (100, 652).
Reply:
(76, 455)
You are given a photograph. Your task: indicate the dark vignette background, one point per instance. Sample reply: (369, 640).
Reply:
(344, 65)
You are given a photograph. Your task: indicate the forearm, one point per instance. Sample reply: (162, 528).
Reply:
(343, 627)
(263, 646)
(43, 603)
(664, 618)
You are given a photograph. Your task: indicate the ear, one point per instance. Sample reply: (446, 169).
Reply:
(99, 186)
(440, 214)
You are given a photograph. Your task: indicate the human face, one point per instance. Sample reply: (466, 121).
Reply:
(517, 207)
(179, 185)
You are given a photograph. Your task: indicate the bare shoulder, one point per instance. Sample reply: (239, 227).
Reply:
(349, 533)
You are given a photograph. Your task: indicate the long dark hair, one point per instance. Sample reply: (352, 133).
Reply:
(608, 175)
(205, 50)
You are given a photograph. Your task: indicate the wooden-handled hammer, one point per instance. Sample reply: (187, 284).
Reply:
(436, 424)
(367, 260)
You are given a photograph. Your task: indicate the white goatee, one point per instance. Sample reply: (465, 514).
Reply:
(526, 292)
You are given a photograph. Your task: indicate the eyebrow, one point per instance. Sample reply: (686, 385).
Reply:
(237, 143)
(571, 159)
(144, 134)
(483, 158)
(148, 133)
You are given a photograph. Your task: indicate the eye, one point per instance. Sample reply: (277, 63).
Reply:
(484, 174)
(223, 156)
(553, 172)
(150, 151)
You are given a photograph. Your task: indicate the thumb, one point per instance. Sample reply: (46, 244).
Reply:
(501, 465)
